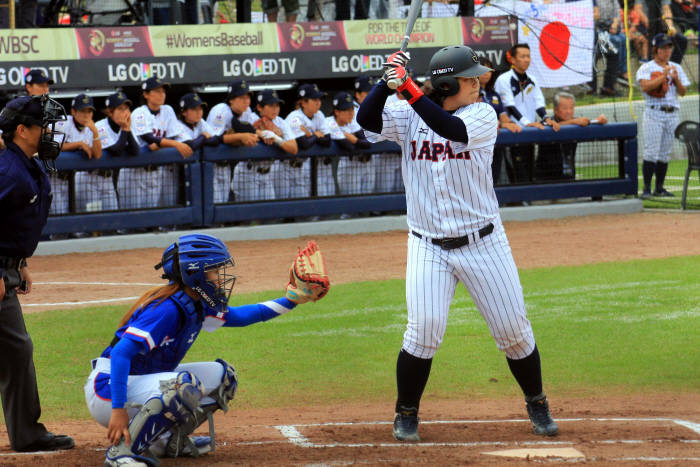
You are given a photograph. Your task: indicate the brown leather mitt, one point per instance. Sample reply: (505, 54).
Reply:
(308, 278)
(663, 87)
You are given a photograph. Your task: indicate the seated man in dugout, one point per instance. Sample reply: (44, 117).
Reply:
(557, 161)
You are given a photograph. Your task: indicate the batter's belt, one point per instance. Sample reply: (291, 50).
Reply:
(457, 242)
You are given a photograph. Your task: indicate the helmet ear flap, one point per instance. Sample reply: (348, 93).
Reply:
(446, 86)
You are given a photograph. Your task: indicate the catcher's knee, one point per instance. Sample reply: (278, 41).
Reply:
(177, 405)
(225, 392)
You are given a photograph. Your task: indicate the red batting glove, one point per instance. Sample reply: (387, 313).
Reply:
(397, 78)
(398, 58)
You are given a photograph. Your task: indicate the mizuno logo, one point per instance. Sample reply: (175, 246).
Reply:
(33, 200)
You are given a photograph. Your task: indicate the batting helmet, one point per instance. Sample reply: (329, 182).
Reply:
(202, 263)
(450, 63)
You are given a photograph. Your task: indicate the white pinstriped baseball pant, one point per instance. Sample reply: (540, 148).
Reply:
(486, 267)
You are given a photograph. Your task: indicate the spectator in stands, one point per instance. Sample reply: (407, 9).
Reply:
(439, 8)
(685, 15)
(156, 126)
(342, 9)
(308, 126)
(233, 120)
(661, 21)
(491, 97)
(116, 138)
(271, 9)
(82, 135)
(524, 102)
(610, 41)
(557, 161)
(638, 29)
(355, 173)
(274, 130)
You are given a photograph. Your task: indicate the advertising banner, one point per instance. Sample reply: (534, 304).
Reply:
(388, 33)
(311, 36)
(114, 42)
(214, 39)
(17, 45)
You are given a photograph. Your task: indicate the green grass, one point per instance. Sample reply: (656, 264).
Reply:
(674, 184)
(612, 328)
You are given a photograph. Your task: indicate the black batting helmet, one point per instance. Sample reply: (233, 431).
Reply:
(451, 62)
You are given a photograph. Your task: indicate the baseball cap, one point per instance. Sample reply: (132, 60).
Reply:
(310, 91)
(153, 83)
(364, 83)
(268, 96)
(82, 101)
(37, 76)
(238, 88)
(660, 40)
(342, 101)
(191, 101)
(117, 99)
(24, 109)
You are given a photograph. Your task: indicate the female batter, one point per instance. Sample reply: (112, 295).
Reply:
(456, 234)
(138, 389)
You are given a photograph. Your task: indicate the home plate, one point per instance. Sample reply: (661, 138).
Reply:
(565, 453)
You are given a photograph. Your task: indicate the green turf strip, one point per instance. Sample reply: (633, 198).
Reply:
(611, 328)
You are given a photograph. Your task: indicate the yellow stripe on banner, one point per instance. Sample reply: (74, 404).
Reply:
(630, 89)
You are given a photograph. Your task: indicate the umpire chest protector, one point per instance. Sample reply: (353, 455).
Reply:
(168, 354)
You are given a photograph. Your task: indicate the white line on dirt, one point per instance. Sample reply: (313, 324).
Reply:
(83, 302)
(690, 425)
(428, 422)
(116, 284)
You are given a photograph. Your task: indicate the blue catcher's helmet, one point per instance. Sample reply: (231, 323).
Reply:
(202, 263)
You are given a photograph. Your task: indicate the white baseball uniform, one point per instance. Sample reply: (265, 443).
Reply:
(661, 114)
(163, 124)
(60, 184)
(355, 173)
(284, 185)
(449, 194)
(386, 165)
(299, 179)
(219, 119)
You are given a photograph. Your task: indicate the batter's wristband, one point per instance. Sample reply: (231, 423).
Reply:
(410, 90)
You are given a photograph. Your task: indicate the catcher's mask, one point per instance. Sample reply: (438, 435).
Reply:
(202, 263)
(40, 111)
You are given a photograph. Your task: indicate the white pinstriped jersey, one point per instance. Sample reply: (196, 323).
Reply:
(162, 125)
(73, 135)
(220, 116)
(337, 131)
(186, 133)
(297, 118)
(527, 99)
(449, 188)
(671, 97)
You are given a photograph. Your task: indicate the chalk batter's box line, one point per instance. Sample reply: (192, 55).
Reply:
(294, 436)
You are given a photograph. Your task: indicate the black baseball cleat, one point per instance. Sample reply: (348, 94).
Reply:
(538, 410)
(406, 424)
(49, 442)
(664, 193)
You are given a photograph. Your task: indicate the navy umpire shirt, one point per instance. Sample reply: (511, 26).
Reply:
(25, 196)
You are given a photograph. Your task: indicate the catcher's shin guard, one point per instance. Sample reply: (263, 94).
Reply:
(179, 400)
(180, 443)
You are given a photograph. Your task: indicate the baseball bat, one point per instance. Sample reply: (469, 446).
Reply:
(413, 11)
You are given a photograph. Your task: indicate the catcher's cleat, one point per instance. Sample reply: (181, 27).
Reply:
(117, 457)
(195, 446)
(542, 422)
(406, 425)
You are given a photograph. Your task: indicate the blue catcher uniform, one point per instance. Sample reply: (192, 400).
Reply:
(148, 350)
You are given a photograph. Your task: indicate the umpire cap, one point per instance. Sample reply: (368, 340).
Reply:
(452, 62)
(26, 110)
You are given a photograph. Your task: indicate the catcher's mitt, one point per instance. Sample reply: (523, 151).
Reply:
(308, 278)
(663, 87)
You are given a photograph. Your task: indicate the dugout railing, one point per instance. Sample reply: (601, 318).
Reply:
(606, 158)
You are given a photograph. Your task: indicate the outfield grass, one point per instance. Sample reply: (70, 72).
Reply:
(612, 328)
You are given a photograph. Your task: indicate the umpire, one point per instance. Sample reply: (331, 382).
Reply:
(25, 196)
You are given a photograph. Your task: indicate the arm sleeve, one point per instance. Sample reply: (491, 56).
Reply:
(240, 316)
(344, 144)
(362, 142)
(150, 139)
(325, 141)
(369, 114)
(132, 147)
(241, 127)
(197, 142)
(121, 356)
(446, 125)
(123, 145)
(514, 112)
(305, 142)
(542, 112)
(214, 140)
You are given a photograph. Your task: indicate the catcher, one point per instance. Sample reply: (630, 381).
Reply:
(662, 81)
(138, 389)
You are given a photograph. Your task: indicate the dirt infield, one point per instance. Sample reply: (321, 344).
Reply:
(658, 429)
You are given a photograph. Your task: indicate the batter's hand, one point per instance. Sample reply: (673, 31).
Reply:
(398, 58)
(395, 76)
(118, 427)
